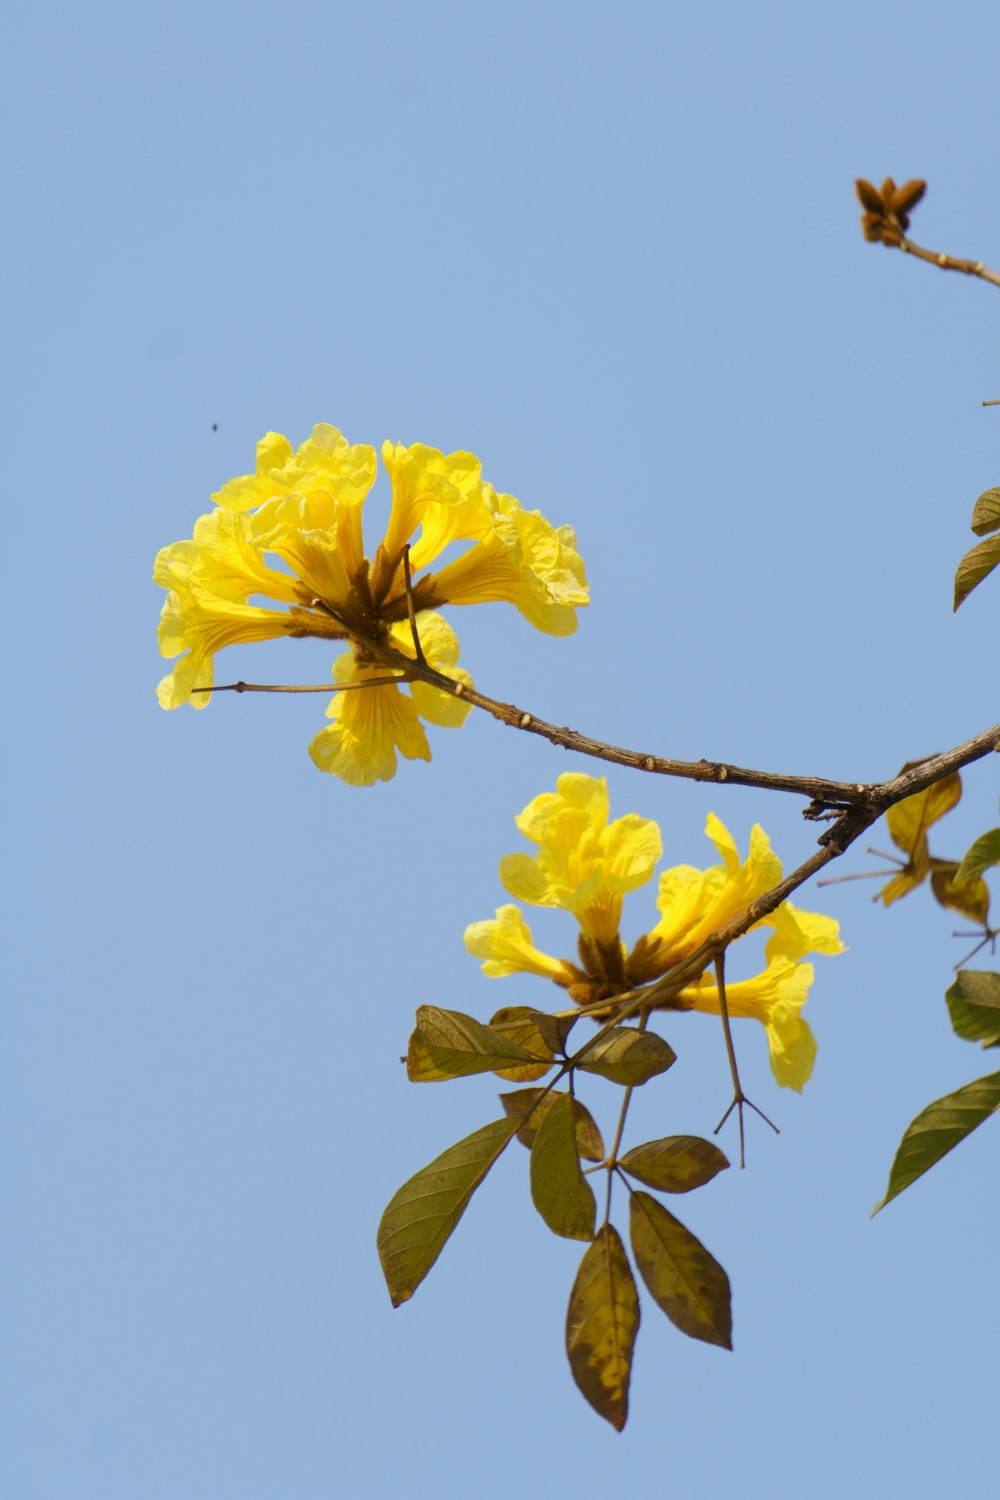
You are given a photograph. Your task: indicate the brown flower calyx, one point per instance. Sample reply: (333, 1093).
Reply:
(886, 216)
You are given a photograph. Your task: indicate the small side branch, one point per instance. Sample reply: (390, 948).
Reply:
(739, 1098)
(950, 262)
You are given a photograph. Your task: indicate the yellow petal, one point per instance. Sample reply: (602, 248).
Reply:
(797, 933)
(369, 726)
(423, 480)
(439, 644)
(584, 864)
(774, 997)
(522, 561)
(325, 461)
(307, 532)
(201, 623)
(506, 947)
(224, 559)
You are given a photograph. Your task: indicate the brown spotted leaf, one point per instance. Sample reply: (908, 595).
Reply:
(601, 1325)
(675, 1163)
(684, 1280)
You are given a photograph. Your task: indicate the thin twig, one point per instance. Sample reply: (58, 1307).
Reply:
(323, 687)
(951, 262)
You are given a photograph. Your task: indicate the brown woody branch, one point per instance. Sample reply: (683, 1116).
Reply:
(833, 843)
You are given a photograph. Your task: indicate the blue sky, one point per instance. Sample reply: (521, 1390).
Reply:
(615, 253)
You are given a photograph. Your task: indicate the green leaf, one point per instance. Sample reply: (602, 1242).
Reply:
(938, 1129)
(974, 1006)
(448, 1044)
(628, 1056)
(601, 1325)
(986, 512)
(529, 1105)
(420, 1217)
(516, 1024)
(559, 1190)
(983, 854)
(674, 1164)
(683, 1279)
(977, 563)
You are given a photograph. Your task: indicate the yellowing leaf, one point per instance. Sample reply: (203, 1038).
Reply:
(448, 1044)
(422, 1214)
(908, 822)
(969, 897)
(689, 1285)
(628, 1056)
(986, 512)
(675, 1163)
(977, 563)
(974, 1006)
(938, 1129)
(982, 855)
(559, 1190)
(529, 1106)
(516, 1023)
(601, 1325)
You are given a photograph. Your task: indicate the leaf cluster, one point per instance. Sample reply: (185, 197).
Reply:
(565, 1148)
(981, 559)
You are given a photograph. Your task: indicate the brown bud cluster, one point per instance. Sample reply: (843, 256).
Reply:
(886, 216)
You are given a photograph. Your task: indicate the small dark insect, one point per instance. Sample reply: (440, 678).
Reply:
(215, 426)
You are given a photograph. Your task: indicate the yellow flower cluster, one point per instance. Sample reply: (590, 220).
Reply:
(584, 864)
(291, 533)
